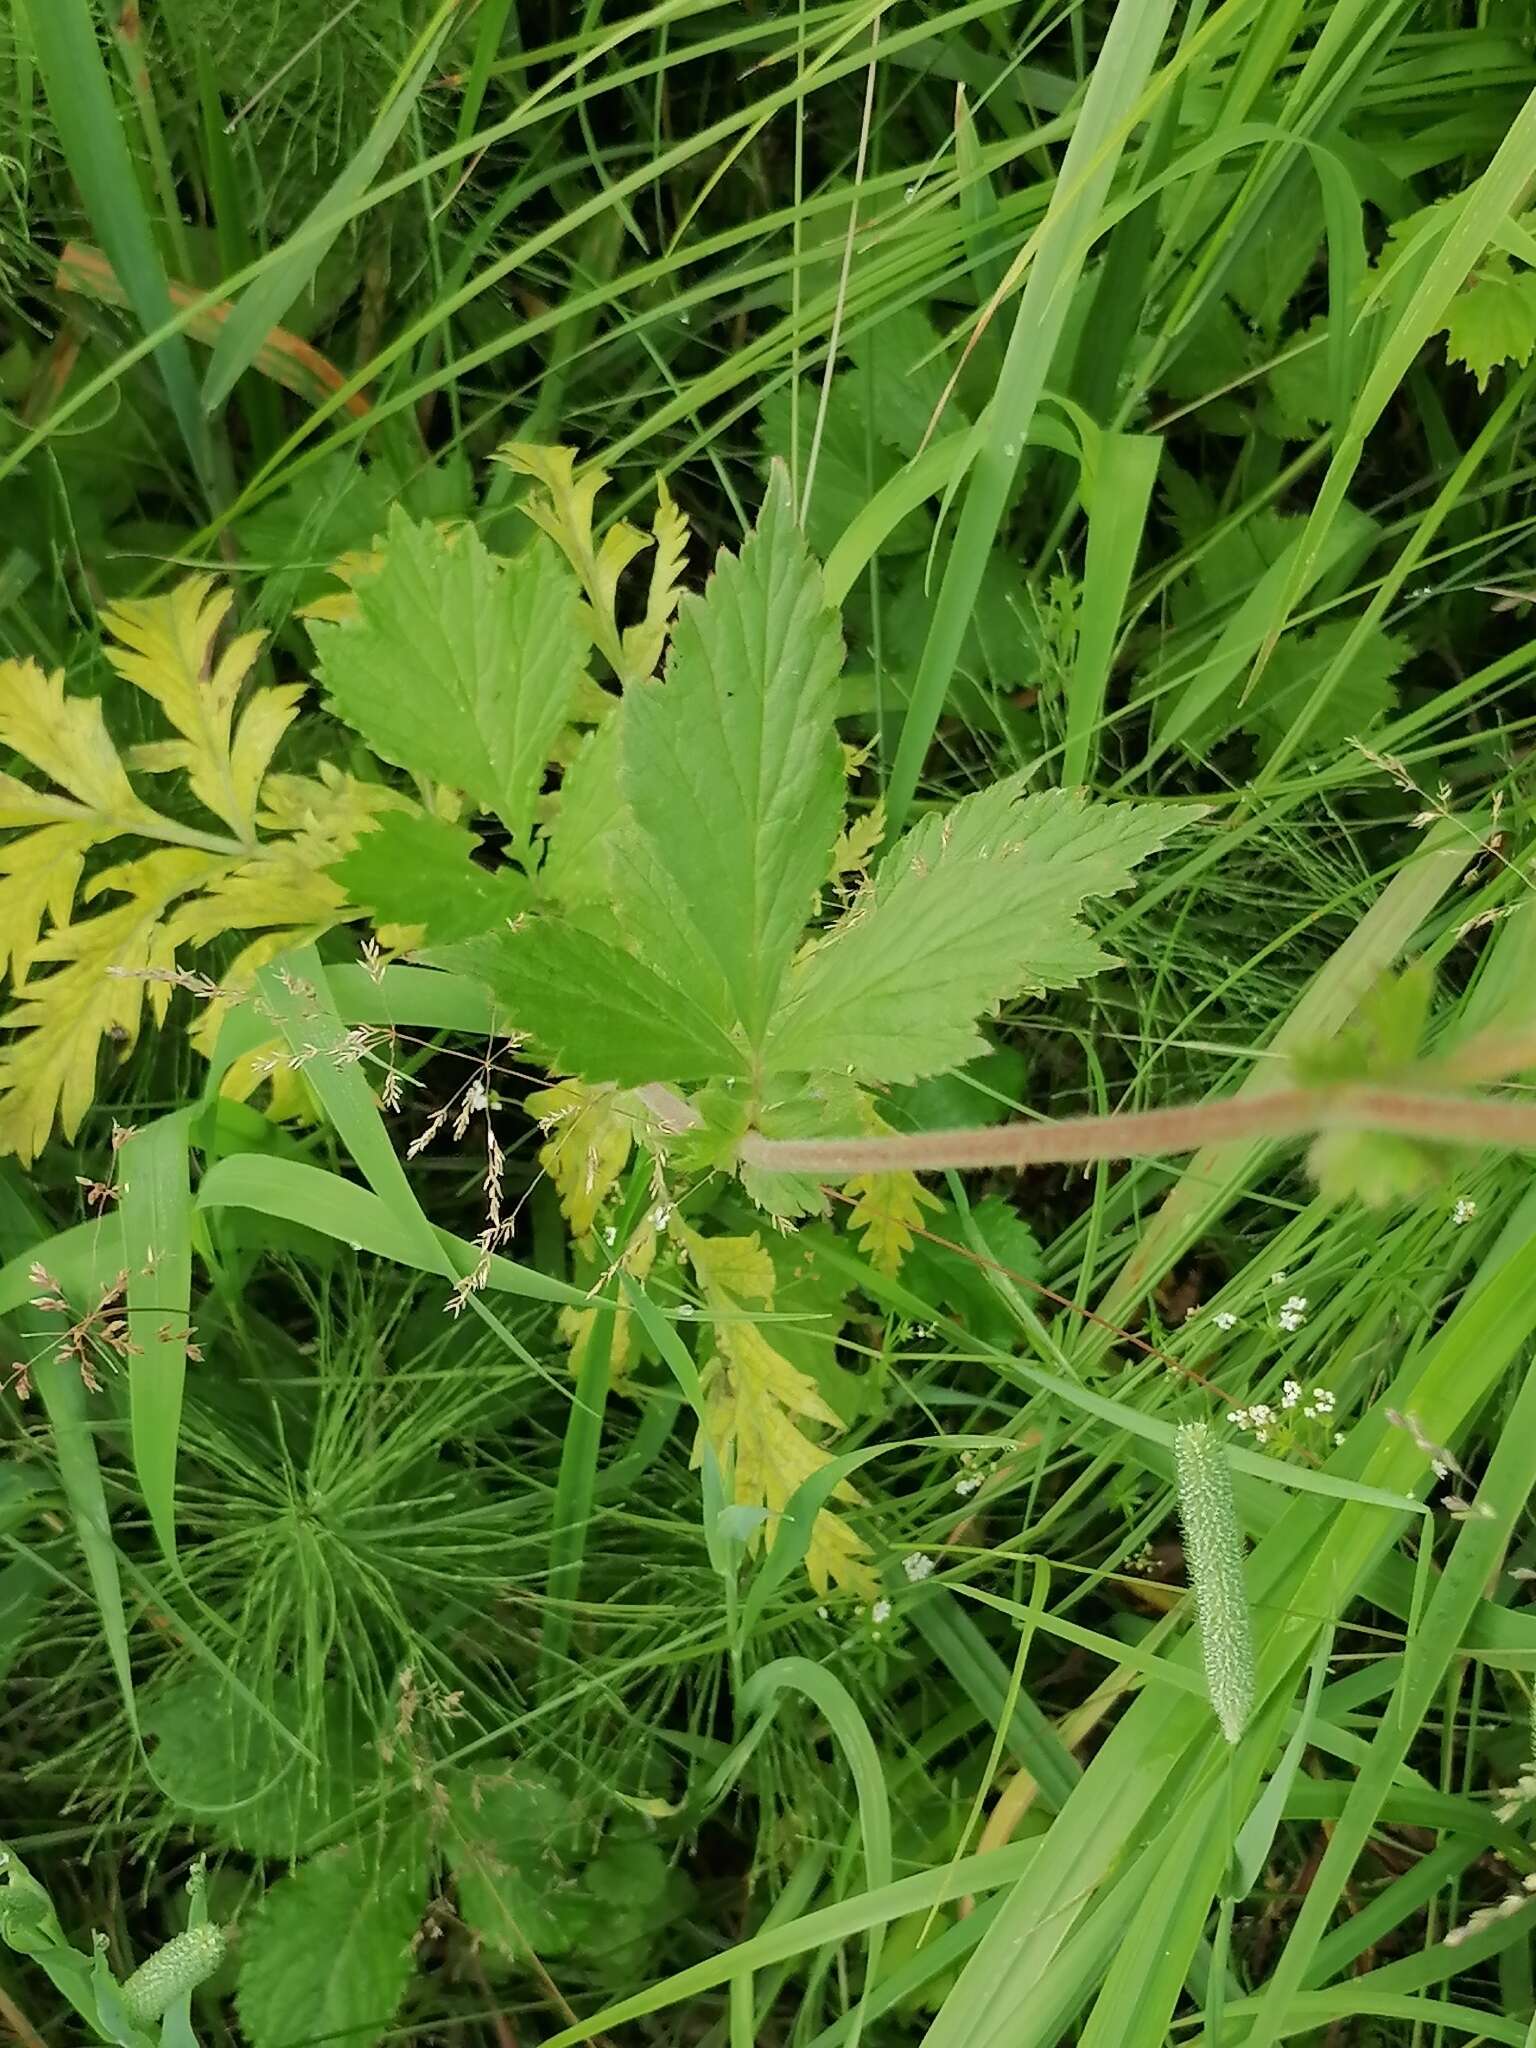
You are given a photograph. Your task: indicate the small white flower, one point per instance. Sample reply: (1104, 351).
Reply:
(880, 1612)
(1324, 1399)
(609, 1233)
(1225, 1320)
(1293, 1312)
(821, 1614)
(1290, 1393)
(1190, 1314)
(1239, 1416)
(1277, 1279)
(661, 1217)
(1260, 1413)
(921, 1330)
(964, 1486)
(1261, 1436)
(917, 1567)
(1439, 1467)
(1464, 1211)
(1338, 1436)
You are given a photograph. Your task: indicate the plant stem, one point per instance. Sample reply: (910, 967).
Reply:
(1140, 1134)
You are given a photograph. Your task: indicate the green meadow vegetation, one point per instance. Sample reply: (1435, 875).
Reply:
(767, 1241)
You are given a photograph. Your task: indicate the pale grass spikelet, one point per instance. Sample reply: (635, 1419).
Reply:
(1213, 1546)
(178, 1967)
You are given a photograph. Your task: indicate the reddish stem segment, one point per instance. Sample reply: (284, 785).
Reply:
(1283, 1113)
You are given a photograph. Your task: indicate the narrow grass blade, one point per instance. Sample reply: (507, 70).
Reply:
(1125, 62)
(268, 298)
(156, 1208)
(80, 98)
(289, 1191)
(1123, 475)
(281, 357)
(64, 1396)
(847, 1724)
(575, 1488)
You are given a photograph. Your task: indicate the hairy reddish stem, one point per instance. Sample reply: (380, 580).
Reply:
(1139, 1134)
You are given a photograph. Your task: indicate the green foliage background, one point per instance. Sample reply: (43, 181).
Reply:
(1152, 383)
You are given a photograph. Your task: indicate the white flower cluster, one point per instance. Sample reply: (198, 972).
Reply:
(1464, 1211)
(1316, 1404)
(1293, 1312)
(918, 1566)
(976, 1466)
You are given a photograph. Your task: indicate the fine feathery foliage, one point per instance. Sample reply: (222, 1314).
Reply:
(83, 977)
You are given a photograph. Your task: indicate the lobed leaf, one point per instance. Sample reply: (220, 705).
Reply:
(165, 646)
(327, 1953)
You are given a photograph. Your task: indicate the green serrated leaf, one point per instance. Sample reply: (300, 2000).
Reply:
(593, 1009)
(1492, 319)
(512, 1844)
(577, 867)
(458, 666)
(327, 1953)
(732, 771)
(415, 869)
(965, 911)
(1362, 696)
(852, 462)
(219, 1761)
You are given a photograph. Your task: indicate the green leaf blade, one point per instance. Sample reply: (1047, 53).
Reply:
(416, 870)
(328, 1952)
(458, 666)
(594, 1009)
(731, 766)
(966, 911)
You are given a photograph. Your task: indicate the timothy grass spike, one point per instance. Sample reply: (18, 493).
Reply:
(1213, 1546)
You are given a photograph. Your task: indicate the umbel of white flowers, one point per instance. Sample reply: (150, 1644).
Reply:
(1213, 1550)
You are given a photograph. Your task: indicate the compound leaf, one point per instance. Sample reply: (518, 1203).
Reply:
(593, 1009)
(165, 646)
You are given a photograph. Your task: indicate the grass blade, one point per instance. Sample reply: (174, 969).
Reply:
(156, 1209)
(1125, 63)
(267, 299)
(80, 97)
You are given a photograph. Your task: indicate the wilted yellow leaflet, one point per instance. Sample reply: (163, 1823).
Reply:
(755, 1400)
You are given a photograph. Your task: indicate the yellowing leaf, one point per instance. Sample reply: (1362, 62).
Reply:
(591, 1133)
(66, 738)
(642, 643)
(166, 649)
(564, 510)
(753, 1396)
(859, 842)
(736, 1267)
(93, 992)
(755, 1400)
(39, 874)
(889, 1209)
(576, 1324)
